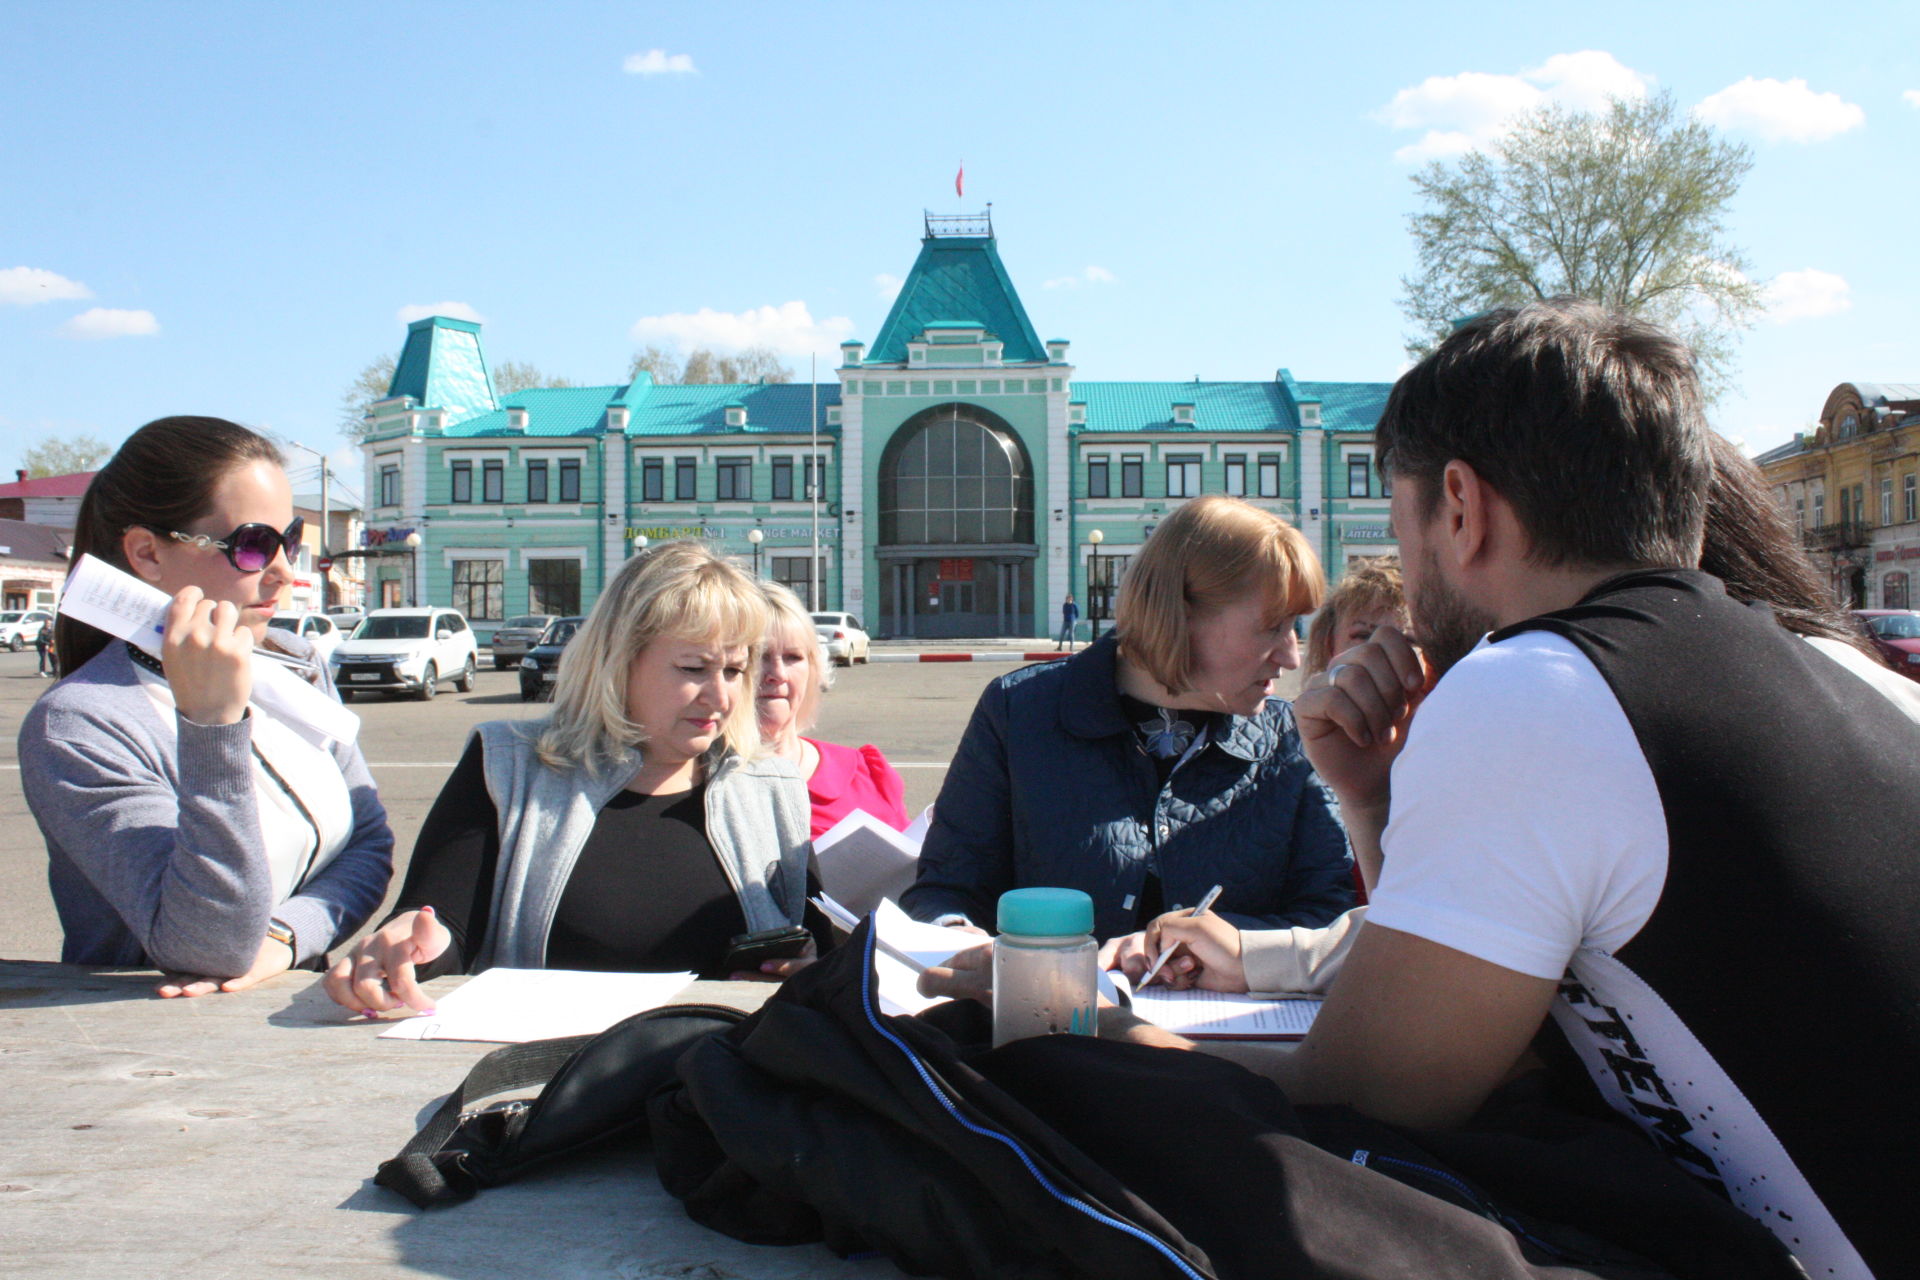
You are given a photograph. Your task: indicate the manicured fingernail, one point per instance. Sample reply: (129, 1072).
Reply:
(369, 1013)
(426, 911)
(427, 1013)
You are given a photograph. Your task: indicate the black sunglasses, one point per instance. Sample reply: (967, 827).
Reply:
(251, 547)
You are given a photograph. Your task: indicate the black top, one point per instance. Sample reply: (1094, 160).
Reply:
(646, 894)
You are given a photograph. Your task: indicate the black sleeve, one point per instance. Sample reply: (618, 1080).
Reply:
(454, 860)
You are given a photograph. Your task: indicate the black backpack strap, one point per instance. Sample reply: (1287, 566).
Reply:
(421, 1171)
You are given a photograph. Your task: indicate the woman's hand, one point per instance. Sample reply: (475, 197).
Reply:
(377, 975)
(273, 957)
(1134, 953)
(779, 970)
(1208, 955)
(967, 975)
(207, 654)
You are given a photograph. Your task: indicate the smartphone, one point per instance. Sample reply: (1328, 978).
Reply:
(746, 952)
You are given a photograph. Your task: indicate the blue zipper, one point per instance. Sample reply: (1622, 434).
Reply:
(940, 1096)
(1485, 1206)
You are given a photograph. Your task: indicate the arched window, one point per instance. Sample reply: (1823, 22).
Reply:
(955, 475)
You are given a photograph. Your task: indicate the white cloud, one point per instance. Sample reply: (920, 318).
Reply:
(887, 286)
(1913, 97)
(658, 62)
(1092, 275)
(1460, 113)
(1801, 295)
(452, 310)
(105, 322)
(25, 286)
(1780, 111)
(789, 329)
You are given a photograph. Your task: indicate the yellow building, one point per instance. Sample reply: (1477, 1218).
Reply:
(1854, 485)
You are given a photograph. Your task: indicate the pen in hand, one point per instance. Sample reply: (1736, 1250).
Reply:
(1200, 909)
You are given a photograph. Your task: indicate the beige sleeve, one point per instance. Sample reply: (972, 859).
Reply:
(1298, 961)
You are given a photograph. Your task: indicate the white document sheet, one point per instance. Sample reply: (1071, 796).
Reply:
(927, 944)
(510, 1006)
(121, 605)
(862, 860)
(1202, 1015)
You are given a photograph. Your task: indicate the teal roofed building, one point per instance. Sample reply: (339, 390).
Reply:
(961, 470)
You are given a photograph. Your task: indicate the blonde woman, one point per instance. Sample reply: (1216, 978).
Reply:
(1370, 595)
(794, 673)
(637, 828)
(1153, 764)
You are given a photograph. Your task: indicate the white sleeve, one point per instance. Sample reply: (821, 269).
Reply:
(1525, 822)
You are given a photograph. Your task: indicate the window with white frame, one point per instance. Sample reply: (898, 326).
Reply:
(1132, 475)
(1183, 475)
(1359, 475)
(461, 487)
(1237, 475)
(1907, 499)
(569, 479)
(1886, 499)
(653, 483)
(1098, 485)
(685, 479)
(537, 480)
(733, 480)
(782, 472)
(493, 481)
(1269, 471)
(1819, 507)
(390, 485)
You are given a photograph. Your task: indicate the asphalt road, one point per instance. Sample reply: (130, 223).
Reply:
(915, 712)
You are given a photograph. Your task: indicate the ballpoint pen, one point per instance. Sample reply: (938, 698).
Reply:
(1200, 909)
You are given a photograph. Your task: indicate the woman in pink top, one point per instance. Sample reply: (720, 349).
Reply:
(793, 674)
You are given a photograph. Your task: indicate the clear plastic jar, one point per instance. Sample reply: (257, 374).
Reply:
(1044, 965)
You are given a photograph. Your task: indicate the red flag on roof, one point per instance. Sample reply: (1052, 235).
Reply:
(960, 180)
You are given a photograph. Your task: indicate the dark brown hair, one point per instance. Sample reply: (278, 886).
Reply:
(1754, 547)
(1588, 421)
(164, 475)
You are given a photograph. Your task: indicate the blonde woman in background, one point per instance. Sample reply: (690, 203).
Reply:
(638, 828)
(794, 673)
(1367, 597)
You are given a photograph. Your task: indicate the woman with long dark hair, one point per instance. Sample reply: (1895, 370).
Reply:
(186, 827)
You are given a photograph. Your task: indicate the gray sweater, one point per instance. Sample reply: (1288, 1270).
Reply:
(153, 843)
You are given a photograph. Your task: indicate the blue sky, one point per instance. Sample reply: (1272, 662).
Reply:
(230, 209)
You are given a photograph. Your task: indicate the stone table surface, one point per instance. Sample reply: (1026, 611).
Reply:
(237, 1135)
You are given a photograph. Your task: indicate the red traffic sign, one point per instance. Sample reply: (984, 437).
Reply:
(324, 563)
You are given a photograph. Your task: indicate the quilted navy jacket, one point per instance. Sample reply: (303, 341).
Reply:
(1050, 786)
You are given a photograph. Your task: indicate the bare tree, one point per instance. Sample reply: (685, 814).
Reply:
(370, 385)
(65, 457)
(510, 376)
(1625, 206)
(658, 361)
(705, 366)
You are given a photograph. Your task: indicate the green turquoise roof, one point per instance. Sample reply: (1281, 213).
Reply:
(1348, 406)
(1227, 406)
(442, 367)
(655, 410)
(958, 276)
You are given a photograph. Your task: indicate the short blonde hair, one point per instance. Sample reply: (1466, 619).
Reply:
(1209, 553)
(789, 615)
(676, 590)
(1368, 586)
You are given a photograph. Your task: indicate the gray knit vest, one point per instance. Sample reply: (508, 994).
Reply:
(757, 822)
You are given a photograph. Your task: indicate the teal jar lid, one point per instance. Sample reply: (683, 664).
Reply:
(1046, 913)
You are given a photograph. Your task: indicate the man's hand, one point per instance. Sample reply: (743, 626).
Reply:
(206, 655)
(967, 975)
(377, 975)
(273, 957)
(1353, 716)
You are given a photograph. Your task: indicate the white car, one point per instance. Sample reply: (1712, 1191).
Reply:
(406, 651)
(843, 638)
(346, 616)
(319, 630)
(19, 627)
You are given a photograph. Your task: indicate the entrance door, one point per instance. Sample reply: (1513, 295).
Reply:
(390, 593)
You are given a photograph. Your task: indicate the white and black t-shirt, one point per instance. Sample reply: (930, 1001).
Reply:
(1528, 830)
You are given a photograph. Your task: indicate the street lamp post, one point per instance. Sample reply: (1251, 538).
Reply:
(639, 545)
(756, 537)
(413, 547)
(1096, 598)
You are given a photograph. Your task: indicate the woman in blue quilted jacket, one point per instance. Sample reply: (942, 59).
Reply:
(1154, 765)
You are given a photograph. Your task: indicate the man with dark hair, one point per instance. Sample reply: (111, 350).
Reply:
(1636, 807)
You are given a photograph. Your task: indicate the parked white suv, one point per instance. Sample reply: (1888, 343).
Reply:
(19, 627)
(406, 651)
(319, 630)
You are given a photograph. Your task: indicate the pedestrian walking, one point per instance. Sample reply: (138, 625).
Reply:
(43, 645)
(1069, 614)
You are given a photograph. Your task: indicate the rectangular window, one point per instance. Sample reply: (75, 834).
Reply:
(1269, 475)
(1132, 475)
(1886, 499)
(569, 479)
(493, 482)
(783, 479)
(1357, 475)
(480, 588)
(791, 571)
(1183, 475)
(1386, 483)
(1819, 507)
(1237, 474)
(1907, 496)
(683, 479)
(1800, 509)
(653, 486)
(462, 483)
(537, 480)
(815, 479)
(1846, 505)
(1097, 477)
(735, 480)
(390, 486)
(553, 586)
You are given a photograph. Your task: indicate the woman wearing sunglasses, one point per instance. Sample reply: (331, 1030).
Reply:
(186, 828)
